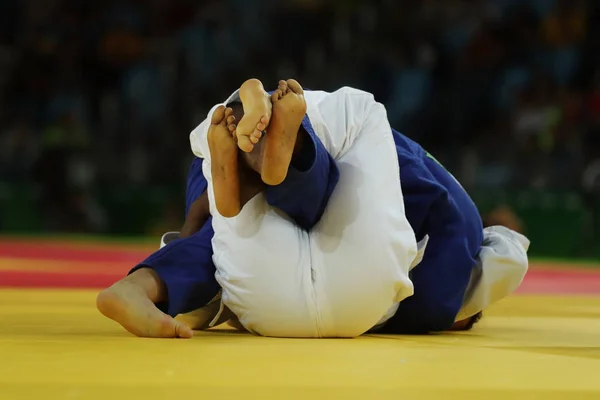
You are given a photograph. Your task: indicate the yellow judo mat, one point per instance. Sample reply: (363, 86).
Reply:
(55, 345)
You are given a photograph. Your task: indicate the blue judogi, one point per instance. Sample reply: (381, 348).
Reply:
(438, 206)
(435, 205)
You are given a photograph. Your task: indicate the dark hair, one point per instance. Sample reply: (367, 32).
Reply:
(472, 321)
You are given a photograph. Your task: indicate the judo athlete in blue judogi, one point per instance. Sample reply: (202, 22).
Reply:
(331, 225)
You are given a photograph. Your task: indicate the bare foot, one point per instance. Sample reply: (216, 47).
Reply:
(257, 114)
(289, 108)
(224, 159)
(129, 305)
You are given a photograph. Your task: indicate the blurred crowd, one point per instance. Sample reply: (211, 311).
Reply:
(506, 93)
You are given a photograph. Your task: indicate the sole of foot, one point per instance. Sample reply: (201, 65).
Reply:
(224, 162)
(289, 109)
(257, 114)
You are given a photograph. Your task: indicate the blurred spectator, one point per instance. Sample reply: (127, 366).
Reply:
(105, 93)
(503, 215)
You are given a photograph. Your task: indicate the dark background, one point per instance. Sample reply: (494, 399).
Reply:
(97, 99)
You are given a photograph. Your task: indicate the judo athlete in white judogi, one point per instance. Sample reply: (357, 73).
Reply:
(331, 225)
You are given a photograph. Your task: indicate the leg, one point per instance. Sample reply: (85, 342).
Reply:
(501, 266)
(264, 287)
(289, 109)
(311, 179)
(363, 246)
(311, 174)
(130, 302)
(263, 266)
(176, 279)
(224, 168)
(327, 284)
(197, 214)
(438, 206)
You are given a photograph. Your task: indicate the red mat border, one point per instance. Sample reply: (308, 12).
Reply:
(536, 282)
(113, 261)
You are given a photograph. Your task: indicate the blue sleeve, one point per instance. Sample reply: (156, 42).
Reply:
(441, 279)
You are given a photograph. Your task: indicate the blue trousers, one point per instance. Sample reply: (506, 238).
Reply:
(435, 205)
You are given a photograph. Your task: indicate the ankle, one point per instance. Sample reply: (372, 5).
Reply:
(147, 280)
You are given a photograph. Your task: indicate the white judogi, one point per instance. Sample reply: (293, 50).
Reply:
(337, 279)
(501, 266)
(341, 278)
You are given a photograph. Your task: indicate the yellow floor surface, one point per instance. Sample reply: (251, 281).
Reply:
(54, 345)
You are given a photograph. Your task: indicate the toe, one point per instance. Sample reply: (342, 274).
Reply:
(227, 115)
(295, 86)
(276, 96)
(232, 127)
(218, 115)
(283, 87)
(245, 144)
(183, 331)
(257, 134)
(230, 120)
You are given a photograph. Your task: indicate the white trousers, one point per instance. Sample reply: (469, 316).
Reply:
(501, 266)
(351, 271)
(339, 279)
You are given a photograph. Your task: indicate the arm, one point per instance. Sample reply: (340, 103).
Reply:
(197, 215)
(197, 209)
